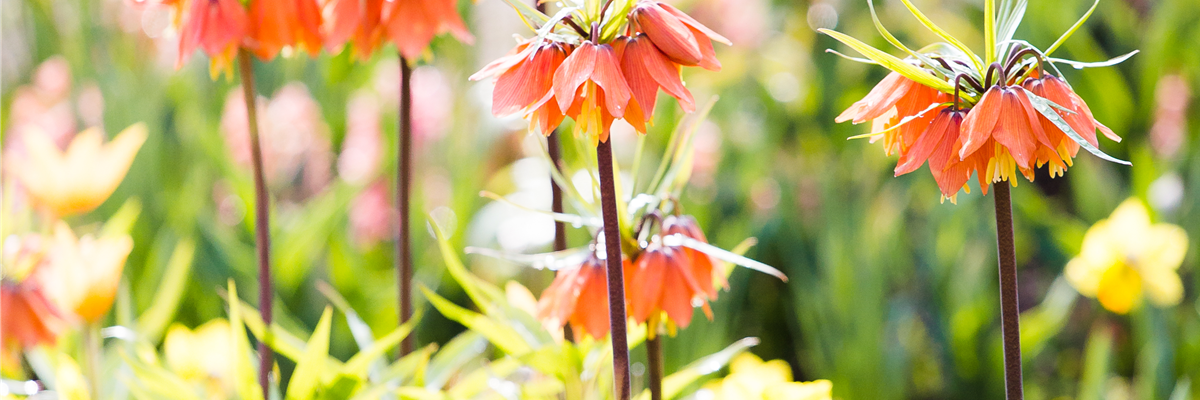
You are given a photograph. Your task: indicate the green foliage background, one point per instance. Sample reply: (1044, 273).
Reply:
(892, 295)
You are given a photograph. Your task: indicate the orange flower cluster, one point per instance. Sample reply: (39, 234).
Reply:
(1000, 134)
(221, 27)
(596, 81)
(27, 317)
(663, 282)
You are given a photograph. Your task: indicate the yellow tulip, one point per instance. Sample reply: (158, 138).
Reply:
(1126, 256)
(750, 379)
(81, 274)
(202, 356)
(80, 179)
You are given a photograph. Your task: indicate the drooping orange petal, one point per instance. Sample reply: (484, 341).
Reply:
(878, 101)
(982, 119)
(591, 311)
(573, 72)
(671, 35)
(607, 74)
(1014, 130)
(941, 132)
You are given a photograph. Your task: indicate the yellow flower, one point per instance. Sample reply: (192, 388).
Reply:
(80, 179)
(1125, 255)
(751, 378)
(202, 356)
(81, 274)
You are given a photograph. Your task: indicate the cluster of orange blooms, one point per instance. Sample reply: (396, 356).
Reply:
(1001, 133)
(596, 80)
(664, 283)
(266, 27)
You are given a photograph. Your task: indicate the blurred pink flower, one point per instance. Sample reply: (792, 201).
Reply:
(43, 106)
(431, 99)
(294, 138)
(1170, 119)
(707, 145)
(744, 22)
(362, 149)
(371, 215)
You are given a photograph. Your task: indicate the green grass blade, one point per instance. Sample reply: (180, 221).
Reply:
(674, 384)
(309, 369)
(241, 368)
(155, 319)
(945, 35)
(1067, 35)
(989, 32)
(357, 365)
(497, 332)
(891, 62)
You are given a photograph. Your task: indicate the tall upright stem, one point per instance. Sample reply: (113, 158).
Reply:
(654, 357)
(556, 205)
(616, 279)
(262, 222)
(1010, 312)
(404, 269)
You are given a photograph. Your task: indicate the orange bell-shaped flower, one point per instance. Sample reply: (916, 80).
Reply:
(578, 296)
(412, 24)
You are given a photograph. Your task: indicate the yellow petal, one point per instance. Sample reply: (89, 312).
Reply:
(1166, 245)
(1120, 289)
(1164, 288)
(1084, 275)
(1129, 224)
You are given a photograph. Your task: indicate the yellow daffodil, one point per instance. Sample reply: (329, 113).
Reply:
(81, 274)
(80, 179)
(1125, 255)
(202, 356)
(750, 379)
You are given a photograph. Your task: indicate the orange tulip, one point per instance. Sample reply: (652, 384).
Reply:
(27, 318)
(276, 24)
(215, 26)
(412, 24)
(590, 87)
(81, 274)
(524, 83)
(680, 37)
(83, 177)
(578, 296)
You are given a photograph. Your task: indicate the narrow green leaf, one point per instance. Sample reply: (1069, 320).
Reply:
(532, 18)
(122, 221)
(497, 332)
(466, 348)
(891, 62)
(363, 336)
(155, 319)
(240, 366)
(1067, 35)
(1046, 108)
(574, 220)
(943, 34)
(989, 32)
(674, 384)
(851, 58)
(483, 294)
(896, 42)
(723, 255)
(309, 369)
(1081, 65)
(357, 365)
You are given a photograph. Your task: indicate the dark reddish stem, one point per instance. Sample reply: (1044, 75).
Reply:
(654, 357)
(404, 268)
(262, 223)
(1010, 312)
(556, 205)
(616, 279)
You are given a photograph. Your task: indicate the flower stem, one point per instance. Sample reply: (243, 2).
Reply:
(404, 269)
(1010, 312)
(555, 149)
(654, 357)
(262, 221)
(91, 348)
(616, 279)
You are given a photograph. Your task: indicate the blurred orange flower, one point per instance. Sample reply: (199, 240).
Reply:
(81, 274)
(83, 177)
(27, 318)
(355, 21)
(276, 24)
(215, 26)
(702, 265)
(660, 282)
(412, 24)
(578, 296)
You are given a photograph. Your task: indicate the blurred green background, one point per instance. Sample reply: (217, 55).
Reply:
(892, 295)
